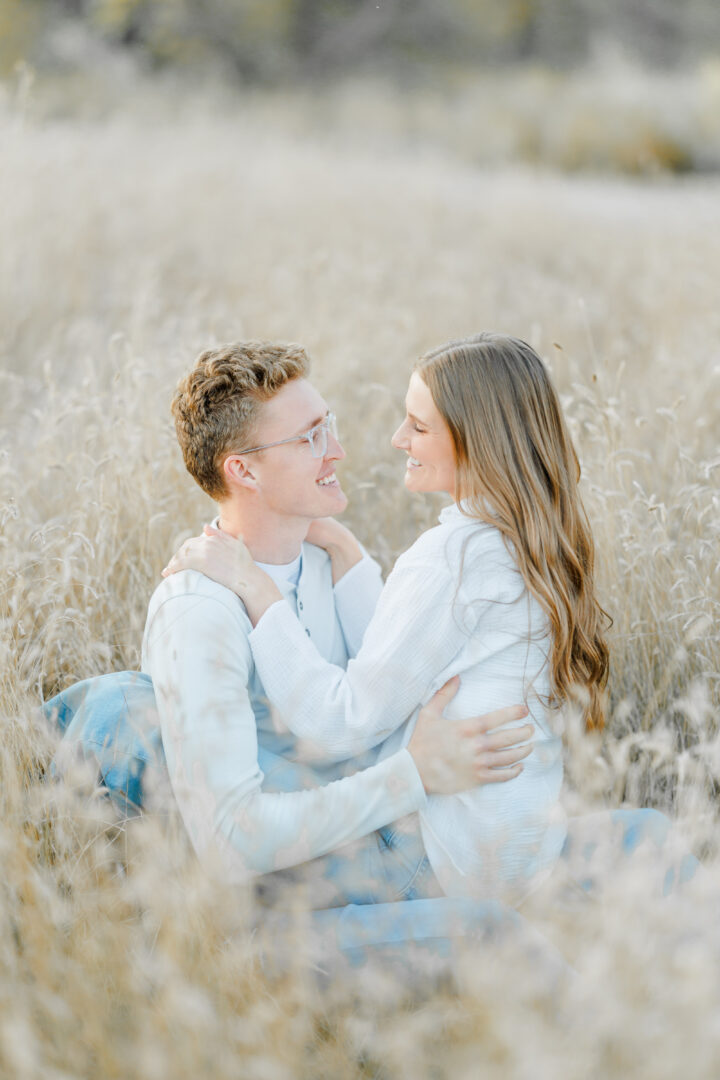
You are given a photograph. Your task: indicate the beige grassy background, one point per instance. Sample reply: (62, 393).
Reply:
(127, 244)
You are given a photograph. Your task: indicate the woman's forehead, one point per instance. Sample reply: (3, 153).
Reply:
(418, 399)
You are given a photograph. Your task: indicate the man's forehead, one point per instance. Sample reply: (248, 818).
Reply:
(296, 407)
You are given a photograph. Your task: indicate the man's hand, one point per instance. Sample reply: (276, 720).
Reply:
(455, 755)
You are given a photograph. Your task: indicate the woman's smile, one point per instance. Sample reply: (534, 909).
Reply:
(425, 430)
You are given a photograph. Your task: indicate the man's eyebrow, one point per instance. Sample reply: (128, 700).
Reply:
(312, 423)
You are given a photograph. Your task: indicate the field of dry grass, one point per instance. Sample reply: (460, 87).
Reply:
(127, 244)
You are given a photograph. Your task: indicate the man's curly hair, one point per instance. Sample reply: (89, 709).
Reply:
(216, 405)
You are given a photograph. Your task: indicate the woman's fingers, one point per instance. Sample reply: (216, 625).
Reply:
(190, 555)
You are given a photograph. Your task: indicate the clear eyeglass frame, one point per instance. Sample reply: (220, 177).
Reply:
(317, 437)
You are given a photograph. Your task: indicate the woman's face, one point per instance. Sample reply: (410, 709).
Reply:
(426, 439)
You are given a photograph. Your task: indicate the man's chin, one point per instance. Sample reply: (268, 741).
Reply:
(341, 502)
(333, 502)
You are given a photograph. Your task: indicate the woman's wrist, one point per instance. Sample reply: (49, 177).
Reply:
(343, 556)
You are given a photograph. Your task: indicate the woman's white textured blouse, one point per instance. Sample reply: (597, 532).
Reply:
(455, 604)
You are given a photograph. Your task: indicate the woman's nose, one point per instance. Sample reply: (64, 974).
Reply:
(400, 439)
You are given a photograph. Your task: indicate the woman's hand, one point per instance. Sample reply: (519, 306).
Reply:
(455, 755)
(226, 559)
(339, 542)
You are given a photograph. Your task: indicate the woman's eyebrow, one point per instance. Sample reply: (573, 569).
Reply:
(412, 416)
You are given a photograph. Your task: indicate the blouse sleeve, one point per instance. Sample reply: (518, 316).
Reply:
(416, 631)
(356, 597)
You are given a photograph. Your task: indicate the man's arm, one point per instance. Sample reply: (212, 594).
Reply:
(199, 658)
(197, 652)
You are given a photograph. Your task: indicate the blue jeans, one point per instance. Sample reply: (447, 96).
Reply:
(379, 890)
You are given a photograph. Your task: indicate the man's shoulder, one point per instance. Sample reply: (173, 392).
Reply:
(196, 634)
(188, 590)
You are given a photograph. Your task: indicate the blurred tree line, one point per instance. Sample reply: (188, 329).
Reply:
(283, 40)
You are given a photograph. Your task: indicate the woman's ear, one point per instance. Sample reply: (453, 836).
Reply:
(237, 473)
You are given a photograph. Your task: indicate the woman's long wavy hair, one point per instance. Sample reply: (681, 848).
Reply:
(517, 469)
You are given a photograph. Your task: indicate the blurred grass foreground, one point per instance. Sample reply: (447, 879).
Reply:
(168, 182)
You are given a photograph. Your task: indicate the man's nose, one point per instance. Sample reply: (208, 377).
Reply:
(334, 449)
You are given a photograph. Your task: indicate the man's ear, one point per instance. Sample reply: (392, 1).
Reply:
(237, 472)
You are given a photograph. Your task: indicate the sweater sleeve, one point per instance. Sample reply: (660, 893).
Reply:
(200, 663)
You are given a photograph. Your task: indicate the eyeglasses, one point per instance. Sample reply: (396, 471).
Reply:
(317, 437)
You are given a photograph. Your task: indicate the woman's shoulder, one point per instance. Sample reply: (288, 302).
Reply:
(457, 537)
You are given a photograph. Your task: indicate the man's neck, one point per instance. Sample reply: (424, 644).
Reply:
(271, 538)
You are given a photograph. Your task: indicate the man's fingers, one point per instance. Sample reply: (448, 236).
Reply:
(498, 776)
(499, 740)
(500, 758)
(444, 695)
(500, 717)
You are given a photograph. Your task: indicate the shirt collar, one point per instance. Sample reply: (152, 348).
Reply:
(454, 513)
(462, 512)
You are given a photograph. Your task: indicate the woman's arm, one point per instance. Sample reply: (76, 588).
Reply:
(411, 640)
(407, 653)
(412, 637)
(340, 544)
(357, 579)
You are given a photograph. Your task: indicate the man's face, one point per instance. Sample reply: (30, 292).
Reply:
(290, 481)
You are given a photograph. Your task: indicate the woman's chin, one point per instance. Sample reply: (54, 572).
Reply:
(412, 480)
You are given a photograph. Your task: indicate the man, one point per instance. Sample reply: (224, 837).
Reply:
(258, 438)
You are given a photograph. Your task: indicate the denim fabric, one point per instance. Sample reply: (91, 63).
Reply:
(420, 939)
(381, 891)
(603, 845)
(385, 867)
(112, 720)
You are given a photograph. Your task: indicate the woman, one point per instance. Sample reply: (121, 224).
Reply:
(501, 593)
